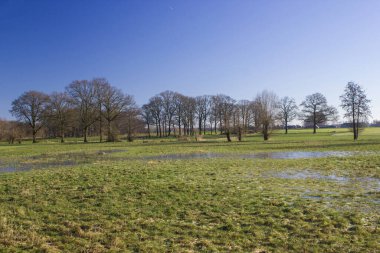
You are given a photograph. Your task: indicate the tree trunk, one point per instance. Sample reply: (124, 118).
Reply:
(179, 125)
(129, 134)
(192, 128)
(169, 124)
(34, 136)
(100, 123)
(265, 132)
(357, 123)
(199, 126)
(354, 124)
(109, 132)
(85, 135)
(228, 135)
(157, 128)
(204, 126)
(357, 128)
(148, 129)
(62, 135)
(286, 126)
(314, 122)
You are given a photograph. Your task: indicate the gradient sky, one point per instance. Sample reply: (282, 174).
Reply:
(238, 48)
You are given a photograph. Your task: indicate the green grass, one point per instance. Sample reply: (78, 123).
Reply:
(119, 202)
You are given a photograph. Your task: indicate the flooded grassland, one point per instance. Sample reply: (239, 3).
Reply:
(295, 193)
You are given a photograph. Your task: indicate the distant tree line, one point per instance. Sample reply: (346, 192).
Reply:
(96, 108)
(86, 107)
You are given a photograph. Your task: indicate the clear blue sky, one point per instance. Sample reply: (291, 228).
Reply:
(239, 48)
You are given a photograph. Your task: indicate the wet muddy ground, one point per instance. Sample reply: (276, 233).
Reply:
(75, 158)
(260, 155)
(44, 161)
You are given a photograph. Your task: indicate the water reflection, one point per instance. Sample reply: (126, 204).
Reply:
(261, 155)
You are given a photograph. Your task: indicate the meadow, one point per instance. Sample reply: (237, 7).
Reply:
(166, 195)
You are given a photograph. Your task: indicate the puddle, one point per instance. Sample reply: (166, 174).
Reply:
(297, 154)
(56, 164)
(44, 161)
(12, 169)
(312, 197)
(367, 183)
(261, 155)
(370, 182)
(111, 151)
(309, 174)
(186, 156)
(26, 167)
(69, 155)
(77, 155)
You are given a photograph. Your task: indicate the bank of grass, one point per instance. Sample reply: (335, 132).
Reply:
(104, 202)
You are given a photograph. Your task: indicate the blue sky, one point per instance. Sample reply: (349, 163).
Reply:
(239, 48)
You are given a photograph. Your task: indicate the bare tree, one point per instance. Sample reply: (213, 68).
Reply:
(188, 115)
(226, 105)
(179, 101)
(156, 106)
(131, 120)
(207, 111)
(101, 87)
(83, 97)
(316, 110)
(356, 104)
(59, 108)
(243, 117)
(147, 116)
(217, 102)
(114, 103)
(202, 109)
(169, 109)
(287, 111)
(30, 108)
(238, 121)
(245, 112)
(266, 109)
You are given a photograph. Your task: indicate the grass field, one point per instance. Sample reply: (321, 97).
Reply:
(125, 197)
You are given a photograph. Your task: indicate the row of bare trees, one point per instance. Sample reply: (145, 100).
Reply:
(170, 112)
(84, 106)
(12, 131)
(96, 107)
